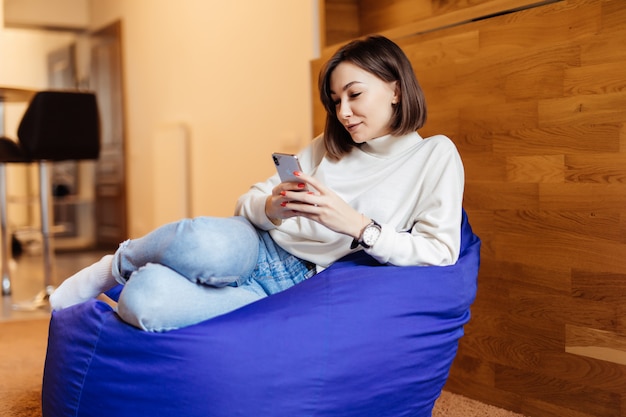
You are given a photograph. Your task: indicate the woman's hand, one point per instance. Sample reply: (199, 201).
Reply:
(322, 206)
(276, 203)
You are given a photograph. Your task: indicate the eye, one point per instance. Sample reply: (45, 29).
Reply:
(354, 95)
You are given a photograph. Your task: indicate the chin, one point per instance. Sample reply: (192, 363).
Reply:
(359, 139)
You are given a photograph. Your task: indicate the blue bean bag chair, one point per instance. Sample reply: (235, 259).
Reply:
(358, 339)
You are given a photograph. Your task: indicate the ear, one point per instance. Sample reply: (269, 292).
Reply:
(396, 94)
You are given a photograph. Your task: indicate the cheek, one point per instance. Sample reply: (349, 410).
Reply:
(381, 105)
(384, 115)
(378, 111)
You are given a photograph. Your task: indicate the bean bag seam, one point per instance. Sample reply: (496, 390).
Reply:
(323, 375)
(91, 357)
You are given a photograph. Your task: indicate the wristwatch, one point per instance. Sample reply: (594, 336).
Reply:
(369, 236)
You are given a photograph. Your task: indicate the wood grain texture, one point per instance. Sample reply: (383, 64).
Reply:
(343, 20)
(595, 343)
(340, 21)
(535, 101)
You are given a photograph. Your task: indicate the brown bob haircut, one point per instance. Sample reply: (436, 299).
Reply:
(384, 59)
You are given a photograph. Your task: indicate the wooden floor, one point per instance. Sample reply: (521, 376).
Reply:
(27, 280)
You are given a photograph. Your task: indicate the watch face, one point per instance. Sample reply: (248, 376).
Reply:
(370, 235)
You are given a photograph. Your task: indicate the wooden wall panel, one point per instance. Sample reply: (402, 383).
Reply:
(377, 16)
(342, 20)
(536, 103)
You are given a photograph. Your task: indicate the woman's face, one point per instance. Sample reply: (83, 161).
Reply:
(363, 102)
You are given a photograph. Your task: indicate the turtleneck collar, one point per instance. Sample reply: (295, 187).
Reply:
(389, 145)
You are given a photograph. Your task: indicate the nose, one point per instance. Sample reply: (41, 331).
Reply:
(343, 109)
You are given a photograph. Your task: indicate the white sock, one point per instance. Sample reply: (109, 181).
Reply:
(84, 285)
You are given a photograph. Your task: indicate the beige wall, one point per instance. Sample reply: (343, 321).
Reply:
(235, 73)
(51, 14)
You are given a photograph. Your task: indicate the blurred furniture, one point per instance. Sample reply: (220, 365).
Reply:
(57, 126)
(7, 95)
(358, 339)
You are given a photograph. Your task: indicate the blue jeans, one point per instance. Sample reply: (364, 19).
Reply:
(189, 271)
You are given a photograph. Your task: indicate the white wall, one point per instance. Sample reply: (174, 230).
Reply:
(235, 73)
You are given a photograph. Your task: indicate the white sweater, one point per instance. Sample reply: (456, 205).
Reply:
(412, 186)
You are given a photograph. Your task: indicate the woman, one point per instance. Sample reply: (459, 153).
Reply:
(374, 185)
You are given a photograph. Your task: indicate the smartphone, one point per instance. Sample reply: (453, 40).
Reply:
(286, 165)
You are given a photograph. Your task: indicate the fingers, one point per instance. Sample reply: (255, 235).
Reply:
(285, 200)
(309, 198)
(293, 198)
(312, 181)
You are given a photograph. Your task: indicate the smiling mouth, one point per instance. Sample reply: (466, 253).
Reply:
(352, 127)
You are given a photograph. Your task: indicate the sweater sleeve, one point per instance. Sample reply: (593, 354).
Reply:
(435, 237)
(251, 205)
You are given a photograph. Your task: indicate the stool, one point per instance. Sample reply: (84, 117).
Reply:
(57, 126)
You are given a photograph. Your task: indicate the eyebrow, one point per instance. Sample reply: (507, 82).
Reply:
(345, 87)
